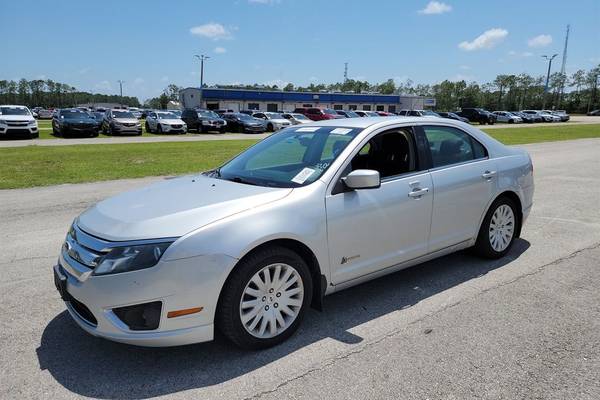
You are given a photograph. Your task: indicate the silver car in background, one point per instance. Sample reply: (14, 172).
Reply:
(296, 118)
(120, 122)
(273, 121)
(310, 210)
(509, 118)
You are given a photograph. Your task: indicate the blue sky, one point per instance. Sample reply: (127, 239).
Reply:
(149, 44)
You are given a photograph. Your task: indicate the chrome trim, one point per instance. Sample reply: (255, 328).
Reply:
(103, 246)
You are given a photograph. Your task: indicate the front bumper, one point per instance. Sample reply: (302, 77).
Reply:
(178, 284)
(19, 131)
(127, 129)
(173, 129)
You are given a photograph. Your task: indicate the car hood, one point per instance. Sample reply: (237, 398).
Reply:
(81, 121)
(170, 121)
(173, 207)
(280, 121)
(127, 120)
(16, 118)
(257, 122)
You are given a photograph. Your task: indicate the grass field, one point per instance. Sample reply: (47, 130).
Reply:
(50, 165)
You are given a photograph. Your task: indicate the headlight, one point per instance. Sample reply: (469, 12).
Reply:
(130, 258)
(33, 122)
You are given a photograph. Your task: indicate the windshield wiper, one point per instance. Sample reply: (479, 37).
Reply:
(245, 181)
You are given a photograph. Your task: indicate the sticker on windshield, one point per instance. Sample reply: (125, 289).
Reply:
(303, 175)
(308, 129)
(341, 131)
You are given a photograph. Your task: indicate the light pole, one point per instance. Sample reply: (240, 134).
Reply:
(547, 78)
(202, 57)
(121, 91)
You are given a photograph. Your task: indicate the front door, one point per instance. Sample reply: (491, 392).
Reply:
(372, 229)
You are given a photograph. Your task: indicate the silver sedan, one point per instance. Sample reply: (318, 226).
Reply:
(313, 209)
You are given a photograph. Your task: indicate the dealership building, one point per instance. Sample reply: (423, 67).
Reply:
(274, 100)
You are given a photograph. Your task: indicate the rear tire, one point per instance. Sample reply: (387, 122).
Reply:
(498, 229)
(271, 312)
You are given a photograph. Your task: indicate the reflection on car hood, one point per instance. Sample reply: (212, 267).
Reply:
(173, 207)
(127, 120)
(16, 118)
(171, 121)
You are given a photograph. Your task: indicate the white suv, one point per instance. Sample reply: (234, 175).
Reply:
(164, 122)
(17, 121)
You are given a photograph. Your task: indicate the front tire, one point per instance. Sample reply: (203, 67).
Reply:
(265, 298)
(498, 230)
(147, 127)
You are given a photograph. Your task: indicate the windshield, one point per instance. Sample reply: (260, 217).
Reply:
(166, 115)
(244, 117)
(72, 114)
(207, 114)
(430, 113)
(330, 111)
(299, 116)
(291, 158)
(14, 111)
(122, 114)
(271, 115)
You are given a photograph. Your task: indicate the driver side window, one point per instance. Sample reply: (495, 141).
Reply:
(390, 153)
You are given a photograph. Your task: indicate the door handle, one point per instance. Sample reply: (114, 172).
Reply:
(488, 175)
(418, 193)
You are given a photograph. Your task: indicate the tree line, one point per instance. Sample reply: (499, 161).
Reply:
(575, 93)
(48, 94)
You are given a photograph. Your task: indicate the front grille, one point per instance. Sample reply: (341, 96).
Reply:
(16, 123)
(83, 248)
(176, 126)
(126, 124)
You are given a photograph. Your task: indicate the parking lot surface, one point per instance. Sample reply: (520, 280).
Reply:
(527, 326)
(575, 120)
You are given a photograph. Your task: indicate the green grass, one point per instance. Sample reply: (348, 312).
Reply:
(544, 133)
(50, 165)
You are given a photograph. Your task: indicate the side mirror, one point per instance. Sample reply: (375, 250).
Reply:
(362, 179)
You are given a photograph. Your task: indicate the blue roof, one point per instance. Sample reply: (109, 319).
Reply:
(305, 97)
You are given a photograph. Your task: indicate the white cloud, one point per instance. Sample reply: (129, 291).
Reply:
(486, 40)
(462, 77)
(212, 30)
(84, 71)
(138, 81)
(313, 79)
(220, 50)
(540, 41)
(464, 67)
(517, 54)
(41, 77)
(164, 79)
(279, 82)
(435, 7)
(103, 85)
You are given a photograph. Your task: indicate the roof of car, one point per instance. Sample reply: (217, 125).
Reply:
(365, 122)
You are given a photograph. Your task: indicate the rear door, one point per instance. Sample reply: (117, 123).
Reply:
(464, 180)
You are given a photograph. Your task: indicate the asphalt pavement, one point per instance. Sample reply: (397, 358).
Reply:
(524, 327)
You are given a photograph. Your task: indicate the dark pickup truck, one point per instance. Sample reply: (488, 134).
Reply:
(478, 115)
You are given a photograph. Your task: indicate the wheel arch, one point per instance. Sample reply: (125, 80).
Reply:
(513, 196)
(319, 280)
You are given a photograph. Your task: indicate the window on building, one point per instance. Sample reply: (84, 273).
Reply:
(392, 109)
(352, 107)
(338, 107)
(307, 105)
(212, 106)
(366, 107)
(253, 106)
(272, 107)
(379, 108)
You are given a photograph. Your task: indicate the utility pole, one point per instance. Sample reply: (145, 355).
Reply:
(121, 91)
(345, 72)
(547, 78)
(201, 57)
(564, 65)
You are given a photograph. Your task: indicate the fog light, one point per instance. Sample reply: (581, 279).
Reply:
(140, 317)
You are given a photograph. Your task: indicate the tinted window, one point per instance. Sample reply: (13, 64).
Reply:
(391, 153)
(451, 146)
